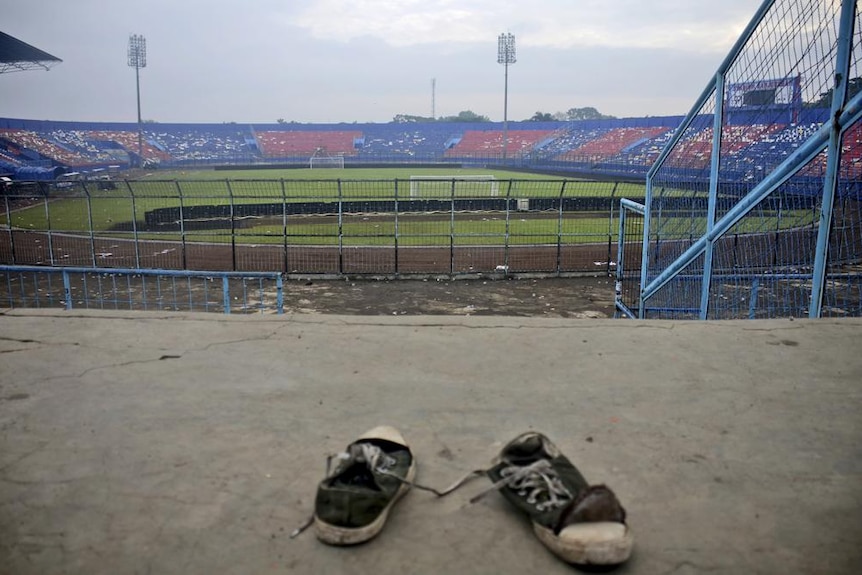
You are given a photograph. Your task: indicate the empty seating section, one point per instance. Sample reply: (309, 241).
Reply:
(129, 140)
(568, 139)
(610, 143)
(293, 144)
(405, 141)
(647, 151)
(9, 158)
(483, 144)
(44, 147)
(201, 145)
(749, 151)
(851, 160)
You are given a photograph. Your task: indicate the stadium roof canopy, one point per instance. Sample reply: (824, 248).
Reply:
(18, 56)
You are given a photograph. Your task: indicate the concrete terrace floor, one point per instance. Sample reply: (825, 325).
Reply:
(191, 443)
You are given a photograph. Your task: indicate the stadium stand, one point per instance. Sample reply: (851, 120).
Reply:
(292, 144)
(195, 145)
(129, 141)
(611, 143)
(407, 141)
(611, 147)
(488, 143)
(37, 147)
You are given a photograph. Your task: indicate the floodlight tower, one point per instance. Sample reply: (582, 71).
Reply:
(506, 56)
(138, 60)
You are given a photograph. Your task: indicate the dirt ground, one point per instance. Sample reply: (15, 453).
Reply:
(576, 297)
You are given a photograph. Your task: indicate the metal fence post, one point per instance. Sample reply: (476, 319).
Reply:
(9, 225)
(135, 226)
(833, 158)
(718, 123)
(284, 225)
(452, 229)
(611, 226)
(67, 289)
(90, 223)
(340, 229)
(560, 228)
(225, 287)
(279, 294)
(232, 225)
(621, 242)
(506, 237)
(182, 225)
(49, 235)
(395, 239)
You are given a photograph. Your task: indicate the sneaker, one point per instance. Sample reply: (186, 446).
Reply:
(581, 524)
(354, 500)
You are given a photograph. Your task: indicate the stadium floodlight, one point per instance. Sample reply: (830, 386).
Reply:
(506, 56)
(138, 60)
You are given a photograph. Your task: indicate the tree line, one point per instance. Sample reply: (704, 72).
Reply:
(587, 113)
(823, 100)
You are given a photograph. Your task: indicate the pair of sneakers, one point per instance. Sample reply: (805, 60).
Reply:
(580, 523)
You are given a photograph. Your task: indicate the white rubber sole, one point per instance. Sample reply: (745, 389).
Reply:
(599, 543)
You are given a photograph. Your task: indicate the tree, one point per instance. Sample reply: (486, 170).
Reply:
(407, 118)
(588, 113)
(281, 121)
(854, 86)
(542, 117)
(466, 116)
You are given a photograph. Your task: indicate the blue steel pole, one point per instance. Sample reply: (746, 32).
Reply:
(67, 289)
(279, 297)
(785, 170)
(852, 112)
(725, 65)
(833, 159)
(225, 294)
(713, 193)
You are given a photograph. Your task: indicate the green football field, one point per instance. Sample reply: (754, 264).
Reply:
(112, 212)
(118, 211)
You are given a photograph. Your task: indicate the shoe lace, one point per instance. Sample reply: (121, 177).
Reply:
(371, 455)
(539, 483)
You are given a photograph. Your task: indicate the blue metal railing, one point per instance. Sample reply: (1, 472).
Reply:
(141, 289)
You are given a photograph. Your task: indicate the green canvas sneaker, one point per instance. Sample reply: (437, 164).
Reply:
(581, 524)
(354, 500)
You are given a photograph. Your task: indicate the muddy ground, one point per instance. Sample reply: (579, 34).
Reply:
(577, 297)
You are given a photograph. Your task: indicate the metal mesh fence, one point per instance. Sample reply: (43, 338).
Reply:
(335, 227)
(629, 251)
(129, 289)
(752, 210)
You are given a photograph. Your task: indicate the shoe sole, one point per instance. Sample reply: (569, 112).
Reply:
(600, 543)
(335, 535)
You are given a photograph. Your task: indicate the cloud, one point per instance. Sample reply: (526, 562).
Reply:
(700, 25)
(366, 60)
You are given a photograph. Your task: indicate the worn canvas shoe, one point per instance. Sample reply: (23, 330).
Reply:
(581, 524)
(355, 499)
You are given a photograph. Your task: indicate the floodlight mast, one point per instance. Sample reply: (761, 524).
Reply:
(138, 60)
(506, 56)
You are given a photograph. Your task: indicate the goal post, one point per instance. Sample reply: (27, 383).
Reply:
(321, 159)
(464, 186)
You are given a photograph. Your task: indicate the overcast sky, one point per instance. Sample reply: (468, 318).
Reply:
(365, 60)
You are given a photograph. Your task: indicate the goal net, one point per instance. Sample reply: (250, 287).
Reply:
(321, 159)
(459, 186)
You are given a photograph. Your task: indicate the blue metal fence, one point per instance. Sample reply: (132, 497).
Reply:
(785, 240)
(140, 289)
